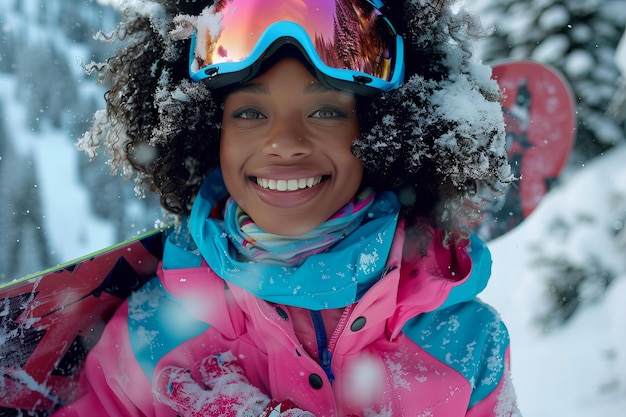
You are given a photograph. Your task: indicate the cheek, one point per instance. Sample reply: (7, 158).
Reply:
(225, 158)
(350, 170)
(355, 172)
(232, 151)
(231, 161)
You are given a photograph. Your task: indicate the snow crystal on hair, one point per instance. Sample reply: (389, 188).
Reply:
(434, 141)
(444, 125)
(158, 125)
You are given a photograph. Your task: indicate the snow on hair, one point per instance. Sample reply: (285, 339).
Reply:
(441, 134)
(433, 140)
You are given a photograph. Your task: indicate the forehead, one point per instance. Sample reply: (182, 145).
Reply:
(287, 75)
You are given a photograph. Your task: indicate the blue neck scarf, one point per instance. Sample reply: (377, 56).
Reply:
(255, 244)
(334, 278)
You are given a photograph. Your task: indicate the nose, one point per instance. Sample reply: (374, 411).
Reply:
(287, 139)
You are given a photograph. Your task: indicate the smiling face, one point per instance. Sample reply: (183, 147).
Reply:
(285, 149)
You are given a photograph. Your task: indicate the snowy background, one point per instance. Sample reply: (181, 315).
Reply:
(559, 280)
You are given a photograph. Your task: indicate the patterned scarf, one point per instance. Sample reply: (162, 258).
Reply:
(256, 245)
(324, 273)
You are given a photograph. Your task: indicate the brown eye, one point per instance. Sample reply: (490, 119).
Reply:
(327, 113)
(248, 114)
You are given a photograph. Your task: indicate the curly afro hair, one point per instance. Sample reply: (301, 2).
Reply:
(434, 141)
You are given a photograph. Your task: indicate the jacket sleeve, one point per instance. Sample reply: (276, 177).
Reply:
(116, 379)
(500, 402)
(471, 339)
(111, 376)
(487, 338)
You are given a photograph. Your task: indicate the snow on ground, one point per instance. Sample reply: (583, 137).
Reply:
(579, 369)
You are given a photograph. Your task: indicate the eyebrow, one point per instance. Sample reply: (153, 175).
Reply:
(317, 87)
(251, 88)
(314, 87)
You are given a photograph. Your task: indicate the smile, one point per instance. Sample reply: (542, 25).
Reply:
(288, 185)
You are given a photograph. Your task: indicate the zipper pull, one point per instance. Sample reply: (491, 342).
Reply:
(325, 360)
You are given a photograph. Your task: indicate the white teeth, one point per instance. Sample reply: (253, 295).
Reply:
(288, 185)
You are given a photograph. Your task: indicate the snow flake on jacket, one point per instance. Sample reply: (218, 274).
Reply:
(417, 343)
(395, 352)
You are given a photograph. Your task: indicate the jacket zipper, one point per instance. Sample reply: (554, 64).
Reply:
(324, 346)
(325, 356)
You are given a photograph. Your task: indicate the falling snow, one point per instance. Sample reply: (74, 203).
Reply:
(598, 388)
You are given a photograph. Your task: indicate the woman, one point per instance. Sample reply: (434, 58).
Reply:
(323, 175)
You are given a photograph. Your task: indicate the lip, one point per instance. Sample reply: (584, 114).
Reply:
(288, 199)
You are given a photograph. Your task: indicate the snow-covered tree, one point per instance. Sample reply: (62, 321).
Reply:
(617, 107)
(23, 240)
(578, 37)
(7, 51)
(46, 85)
(42, 46)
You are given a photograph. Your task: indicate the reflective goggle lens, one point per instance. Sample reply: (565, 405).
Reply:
(348, 40)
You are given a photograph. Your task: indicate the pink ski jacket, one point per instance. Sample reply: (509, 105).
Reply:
(418, 343)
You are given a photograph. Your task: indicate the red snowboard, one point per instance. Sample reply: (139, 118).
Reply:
(49, 321)
(540, 126)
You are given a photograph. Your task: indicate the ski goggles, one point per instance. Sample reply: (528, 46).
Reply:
(350, 44)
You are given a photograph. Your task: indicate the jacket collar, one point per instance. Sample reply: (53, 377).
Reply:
(410, 285)
(444, 277)
(331, 279)
(420, 284)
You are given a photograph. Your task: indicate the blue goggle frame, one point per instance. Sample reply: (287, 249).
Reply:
(288, 32)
